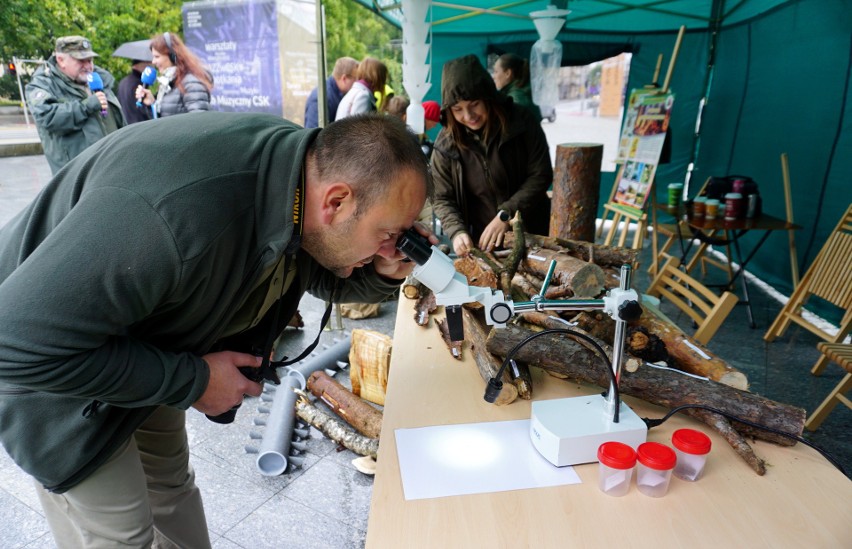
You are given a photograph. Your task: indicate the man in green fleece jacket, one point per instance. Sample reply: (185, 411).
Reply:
(68, 115)
(137, 280)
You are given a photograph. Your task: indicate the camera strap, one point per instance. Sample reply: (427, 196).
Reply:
(289, 254)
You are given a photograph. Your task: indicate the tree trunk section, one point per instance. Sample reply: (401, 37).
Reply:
(576, 187)
(689, 355)
(354, 411)
(585, 279)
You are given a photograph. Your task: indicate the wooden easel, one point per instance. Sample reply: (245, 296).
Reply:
(623, 215)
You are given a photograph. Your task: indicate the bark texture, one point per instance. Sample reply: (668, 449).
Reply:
(576, 187)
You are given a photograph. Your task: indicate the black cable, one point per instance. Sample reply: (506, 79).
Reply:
(651, 423)
(495, 384)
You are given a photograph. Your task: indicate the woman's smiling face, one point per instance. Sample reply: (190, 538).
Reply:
(472, 114)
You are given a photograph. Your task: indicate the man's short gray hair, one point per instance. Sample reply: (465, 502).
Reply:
(369, 151)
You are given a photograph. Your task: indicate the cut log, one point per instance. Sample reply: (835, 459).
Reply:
(366, 419)
(412, 288)
(664, 387)
(488, 364)
(687, 354)
(335, 429)
(684, 353)
(576, 186)
(585, 279)
(551, 322)
(605, 256)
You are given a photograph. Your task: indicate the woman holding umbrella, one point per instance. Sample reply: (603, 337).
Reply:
(184, 83)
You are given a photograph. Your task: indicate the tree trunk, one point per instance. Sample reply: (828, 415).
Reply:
(354, 411)
(412, 288)
(576, 187)
(658, 386)
(684, 353)
(585, 279)
(488, 364)
(689, 355)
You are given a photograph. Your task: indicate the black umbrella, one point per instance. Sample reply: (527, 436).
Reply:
(140, 49)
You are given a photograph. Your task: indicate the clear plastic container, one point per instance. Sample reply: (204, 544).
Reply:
(616, 467)
(654, 472)
(691, 448)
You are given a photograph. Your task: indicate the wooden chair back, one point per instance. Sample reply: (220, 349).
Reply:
(842, 355)
(704, 307)
(830, 278)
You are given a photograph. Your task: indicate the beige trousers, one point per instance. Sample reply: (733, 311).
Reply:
(144, 496)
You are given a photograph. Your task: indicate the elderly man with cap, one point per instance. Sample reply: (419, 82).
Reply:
(68, 115)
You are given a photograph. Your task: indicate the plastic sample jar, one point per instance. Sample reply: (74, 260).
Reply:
(691, 448)
(615, 471)
(712, 208)
(734, 206)
(656, 462)
(699, 206)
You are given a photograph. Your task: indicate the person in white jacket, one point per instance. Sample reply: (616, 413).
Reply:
(372, 75)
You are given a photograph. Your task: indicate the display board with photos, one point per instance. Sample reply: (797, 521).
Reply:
(646, 121)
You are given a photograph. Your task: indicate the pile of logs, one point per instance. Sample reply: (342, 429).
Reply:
(586, 270)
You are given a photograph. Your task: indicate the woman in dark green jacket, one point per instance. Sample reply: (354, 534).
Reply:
(512, 78)
(490, 161)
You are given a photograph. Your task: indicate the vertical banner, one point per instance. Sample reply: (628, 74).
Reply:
(646, 121)
(238, 42)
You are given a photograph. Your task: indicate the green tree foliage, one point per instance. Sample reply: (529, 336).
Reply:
(29, 29)
(354, 31)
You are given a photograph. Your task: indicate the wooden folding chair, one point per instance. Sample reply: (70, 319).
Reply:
(624, 220)
(842, 355)
(703, 306)
(829, 277)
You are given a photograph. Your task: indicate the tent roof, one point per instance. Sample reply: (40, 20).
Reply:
(611, 16)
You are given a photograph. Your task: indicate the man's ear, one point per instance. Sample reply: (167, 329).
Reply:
(338, 203)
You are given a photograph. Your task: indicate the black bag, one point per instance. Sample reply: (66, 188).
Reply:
(718, 187)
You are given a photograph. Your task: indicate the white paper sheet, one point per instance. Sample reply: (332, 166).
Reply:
(473, 458)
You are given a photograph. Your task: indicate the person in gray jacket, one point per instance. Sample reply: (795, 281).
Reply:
(68, 115)
(184, 84)
(130, 295)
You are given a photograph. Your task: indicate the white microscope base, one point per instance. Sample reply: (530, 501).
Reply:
(568, 431)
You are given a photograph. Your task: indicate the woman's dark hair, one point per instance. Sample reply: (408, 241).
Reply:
(519, 66)
(183, 58)
(495, 125)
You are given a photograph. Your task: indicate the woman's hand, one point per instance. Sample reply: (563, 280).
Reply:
(144, 95)
(493, 234)
(462, 244)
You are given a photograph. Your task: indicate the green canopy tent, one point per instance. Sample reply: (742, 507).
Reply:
(772, 75)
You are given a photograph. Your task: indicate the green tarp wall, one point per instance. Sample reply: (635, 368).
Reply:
(778, 80)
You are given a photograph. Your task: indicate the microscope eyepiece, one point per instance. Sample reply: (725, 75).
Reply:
(415, 246)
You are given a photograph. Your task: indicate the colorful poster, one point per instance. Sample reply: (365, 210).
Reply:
(643, 134)
(238, 42)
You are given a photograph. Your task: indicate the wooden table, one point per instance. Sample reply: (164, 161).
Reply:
(802, 501)
(689, 228)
